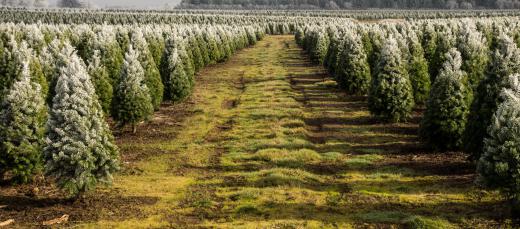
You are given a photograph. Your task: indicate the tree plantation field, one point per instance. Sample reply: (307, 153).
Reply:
(259, 119)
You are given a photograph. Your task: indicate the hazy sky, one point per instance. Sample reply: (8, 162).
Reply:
(132, 3)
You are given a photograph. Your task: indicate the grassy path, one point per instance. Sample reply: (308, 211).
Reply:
(267, 141)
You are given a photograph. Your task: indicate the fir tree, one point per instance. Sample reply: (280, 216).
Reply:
(178, 83)
(101, 82)
(152, 77)
(505, 61)
(418, 70)
(79, 150)
(447, 108)
(474, 51)
(132, 102)
(22, 122)
(499, 165)
(391, 96)
(354, 72)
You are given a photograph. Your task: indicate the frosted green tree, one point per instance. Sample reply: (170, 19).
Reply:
(499, 165)
(101, 81)
(152, 77)
(22, 122)
(391, 95)
(505, 61)
(132, 102)
(354, 72)
(11, 65)
(444, 121)
(79, 150)
(474, 50)
(418, 70)
(178, 83)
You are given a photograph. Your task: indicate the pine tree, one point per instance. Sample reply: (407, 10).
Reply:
(79, 150)
(499, 165)
(132, 102)
(198, 61)
(418, 70)
(152, 77)
(474, 51)
(354, 72)
(429, 42)
(111, 54)
(156, 46)
(101, 82)
(391, 96)
(446, 111)
(505, 61)
(11, 65)
(22, 122)
(178, 83)
(445, 41)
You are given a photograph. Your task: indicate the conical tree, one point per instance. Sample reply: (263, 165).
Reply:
(474, 50)
(391, 96)
(354, 73)
(499, 165)
(504, 61)
(22, 122)
(152, 77)
(418, 70)
(132, 102)
(178, 83)
(11, 64)
(79, 151)
(101, 81)
(446, 111)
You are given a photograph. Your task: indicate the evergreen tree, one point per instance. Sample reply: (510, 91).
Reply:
(354, 72)
(79, 150)
(132, 102)
(198, 61)
(156, 46)
(101, 82)
(499, 165)
(22, 121)
(429, 42)
(474, 51)
(445, 41)
(447, 108)
(11, 64)
(178, 83)
(152, 77)
(505, 61)
(418, 70)
(391, 96)
(111, 54)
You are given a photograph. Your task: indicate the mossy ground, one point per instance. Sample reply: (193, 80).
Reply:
(267, 141)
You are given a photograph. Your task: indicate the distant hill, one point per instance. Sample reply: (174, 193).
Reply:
(350, 4)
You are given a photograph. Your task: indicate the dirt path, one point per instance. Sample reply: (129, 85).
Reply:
(267, 141)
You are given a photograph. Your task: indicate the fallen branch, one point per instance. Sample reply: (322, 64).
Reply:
(60, 220)
(6, 223)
